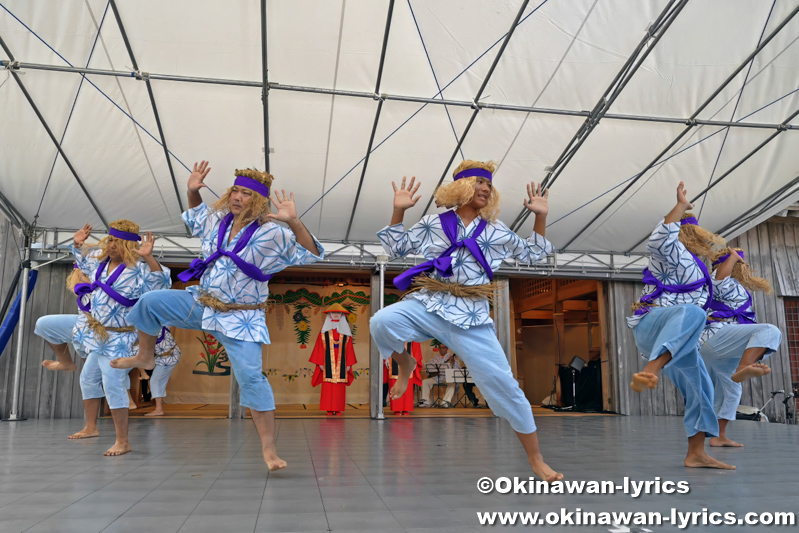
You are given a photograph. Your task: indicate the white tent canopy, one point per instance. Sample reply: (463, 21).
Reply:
(686, 106)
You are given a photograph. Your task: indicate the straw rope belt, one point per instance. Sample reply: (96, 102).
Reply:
(218, 305)
(485, 291)
(166, 353)
(102, 331)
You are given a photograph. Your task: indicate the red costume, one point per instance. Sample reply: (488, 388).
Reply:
(334, 356)
(404, 404)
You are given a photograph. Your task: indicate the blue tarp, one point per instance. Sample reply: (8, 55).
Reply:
(7, 329)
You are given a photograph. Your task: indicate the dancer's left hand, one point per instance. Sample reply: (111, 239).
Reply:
(146, 248)
(537, 200)
(286, 212)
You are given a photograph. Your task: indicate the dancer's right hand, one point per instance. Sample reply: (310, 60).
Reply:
(81, 235)
(682, 197)
(403, 197)
(198, 175)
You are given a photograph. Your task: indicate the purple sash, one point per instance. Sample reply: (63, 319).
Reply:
(743, 315)
(198, 266)
(85, 289)
(660, 288)
(443, 264)
(163, 334)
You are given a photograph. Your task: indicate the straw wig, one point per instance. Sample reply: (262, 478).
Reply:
(129, 257)
(257, 208)
(742, 272)
(461, 192)
(698, 240)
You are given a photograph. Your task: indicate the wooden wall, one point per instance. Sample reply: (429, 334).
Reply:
(44, 394)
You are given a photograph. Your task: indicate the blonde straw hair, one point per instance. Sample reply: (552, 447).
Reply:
(461, 192)
(698, 240)
(257, 208)
(742, 272)
(75, 277)
(129, 257)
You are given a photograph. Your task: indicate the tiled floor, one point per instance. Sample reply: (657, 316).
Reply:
(360, 475)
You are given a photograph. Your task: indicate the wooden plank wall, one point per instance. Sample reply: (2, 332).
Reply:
(772, 252)
(43, 394)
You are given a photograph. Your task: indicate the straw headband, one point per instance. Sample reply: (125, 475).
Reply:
(691, 221)
(724, 257)
(252, 184)
(479, 172)
(124, 235)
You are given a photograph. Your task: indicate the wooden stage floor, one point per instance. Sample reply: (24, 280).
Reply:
(292, 411)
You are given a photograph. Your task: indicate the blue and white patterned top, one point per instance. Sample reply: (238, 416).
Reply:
(272, 248)
(727, 291)
(497, 242)
(79, 334)
(671, 263)
(133, 282)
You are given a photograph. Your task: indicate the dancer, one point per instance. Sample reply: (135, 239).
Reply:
(62, 330)
(334, 356)
(671, 316)
(463, 247)
(167, 355)
(242, 249)
(123, 270)
(733, 343)
(404, 404)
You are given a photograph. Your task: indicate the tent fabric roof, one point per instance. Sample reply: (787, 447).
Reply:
(559, 61)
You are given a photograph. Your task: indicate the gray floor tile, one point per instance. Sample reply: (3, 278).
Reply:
(279, 523)
(215, 524)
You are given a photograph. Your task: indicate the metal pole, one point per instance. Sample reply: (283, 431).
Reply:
(19, 65)
(265, 89)
(381, 262)
(15, 407)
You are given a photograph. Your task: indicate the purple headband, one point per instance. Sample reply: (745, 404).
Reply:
(479, 172)
(252, 184)
(724, 257)
(691, 221)
(124, 235)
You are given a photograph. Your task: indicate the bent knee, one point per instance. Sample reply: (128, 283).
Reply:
(694, 313)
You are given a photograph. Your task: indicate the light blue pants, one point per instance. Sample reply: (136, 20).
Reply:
(676, 329)
(57, 329)
(722, 354)
(478, 347)
(157, 309)
(116, 381)
(159, 380)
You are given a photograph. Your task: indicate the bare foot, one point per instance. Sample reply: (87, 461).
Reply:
(132, 406)
(118, 449)
(405, 365)
(703, 460)
(721, 442)
(157, 412)
(755, 370)
(544, 472)
(273, 462)
(643, 380)
(133, 362)
(85, 434)
(58, 365)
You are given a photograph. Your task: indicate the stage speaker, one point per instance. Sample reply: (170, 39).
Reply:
(577, 363)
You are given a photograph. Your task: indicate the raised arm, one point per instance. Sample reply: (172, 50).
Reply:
(404, 199)
(287, 212)
(145, 251)
(196, 179)
(86, 263)
(682, 206)
(725, 269)
(537, 202)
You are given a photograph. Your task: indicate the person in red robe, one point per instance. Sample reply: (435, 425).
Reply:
(334, 357)
(404, 404)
